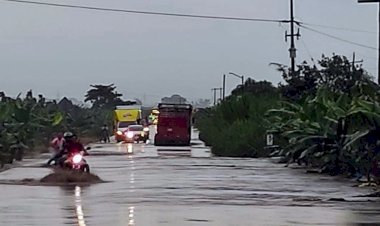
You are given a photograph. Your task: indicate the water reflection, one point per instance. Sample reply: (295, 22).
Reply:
(131, 216)
(131, 173)
(125, 148)
(131, 209)
(78, 205)
(74, 205)
(129, 148)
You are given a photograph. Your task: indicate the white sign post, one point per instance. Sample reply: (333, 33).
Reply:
(269, 139)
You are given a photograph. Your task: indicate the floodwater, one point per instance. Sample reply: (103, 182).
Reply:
(164, 186)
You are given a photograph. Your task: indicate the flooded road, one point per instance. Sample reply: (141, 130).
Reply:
(150, 186)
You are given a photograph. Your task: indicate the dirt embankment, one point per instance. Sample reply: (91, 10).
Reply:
(69, 177)
(59, 178)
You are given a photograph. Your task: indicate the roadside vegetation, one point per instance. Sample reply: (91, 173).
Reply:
(325, 116)
(27, 123)
(236, 127)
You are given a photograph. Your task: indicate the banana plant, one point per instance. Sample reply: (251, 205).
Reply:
(21, 122)
(325, 130)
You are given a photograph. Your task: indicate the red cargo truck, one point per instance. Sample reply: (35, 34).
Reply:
(174, 125)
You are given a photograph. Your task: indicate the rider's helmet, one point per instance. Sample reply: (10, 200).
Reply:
(68, 136)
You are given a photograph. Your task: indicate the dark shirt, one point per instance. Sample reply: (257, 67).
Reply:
(73, 147)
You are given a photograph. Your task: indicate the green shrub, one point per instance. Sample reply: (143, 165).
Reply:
(237, 127)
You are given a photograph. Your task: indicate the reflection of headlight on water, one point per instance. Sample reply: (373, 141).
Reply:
(131, 216)
(131, 209)
(129, 148)
(78, 206)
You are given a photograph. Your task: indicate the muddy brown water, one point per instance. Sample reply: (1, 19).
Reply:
(186, 187)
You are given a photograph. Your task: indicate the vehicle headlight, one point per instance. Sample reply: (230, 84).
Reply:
(119, 133)
(77, 158)
(146, 129)
(130, 134)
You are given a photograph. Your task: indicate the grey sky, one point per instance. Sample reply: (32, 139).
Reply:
(59, 50)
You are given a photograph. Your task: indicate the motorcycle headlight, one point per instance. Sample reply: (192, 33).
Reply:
(77, 158)
(146, 129)
(130, 134)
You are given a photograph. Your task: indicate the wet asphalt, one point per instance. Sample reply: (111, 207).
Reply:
(183, 186)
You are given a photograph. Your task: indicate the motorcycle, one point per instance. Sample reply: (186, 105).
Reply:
(75, 161)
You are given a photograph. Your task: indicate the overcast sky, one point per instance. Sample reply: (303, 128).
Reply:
(61, 51)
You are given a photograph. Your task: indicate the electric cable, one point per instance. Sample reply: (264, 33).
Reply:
(147, 12)
(338, 38)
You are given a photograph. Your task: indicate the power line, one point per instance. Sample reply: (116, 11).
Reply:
(338, 38)
(148, 12)
(340, 28)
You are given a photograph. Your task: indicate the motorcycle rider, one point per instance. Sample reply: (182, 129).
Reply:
(71, 146)
(56, 144)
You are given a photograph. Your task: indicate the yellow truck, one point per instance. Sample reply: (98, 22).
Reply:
(124, 116)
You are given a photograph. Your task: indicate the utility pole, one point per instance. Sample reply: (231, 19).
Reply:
(378, 31)
(224, 86)
(292, 49)
(354, 62)
(216, 89)
(221, 94)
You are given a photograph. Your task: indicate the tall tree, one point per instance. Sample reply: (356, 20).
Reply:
(255, 88)
(103, 96)
(336, 73)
